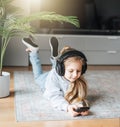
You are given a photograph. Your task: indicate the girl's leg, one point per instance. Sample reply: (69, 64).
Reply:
(54, 50)
(36, 64)
(53, 62)
(39, 76)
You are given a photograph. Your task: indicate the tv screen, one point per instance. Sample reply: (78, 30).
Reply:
(95, 16)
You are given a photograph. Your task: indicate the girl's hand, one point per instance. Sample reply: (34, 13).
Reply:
(84, 113)
(71, 110)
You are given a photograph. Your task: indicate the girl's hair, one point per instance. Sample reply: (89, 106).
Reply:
(66, 49)
(77, 90)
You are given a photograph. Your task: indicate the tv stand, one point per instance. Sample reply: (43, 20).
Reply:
(99, 49)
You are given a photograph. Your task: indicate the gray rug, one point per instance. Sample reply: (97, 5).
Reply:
(103, 95)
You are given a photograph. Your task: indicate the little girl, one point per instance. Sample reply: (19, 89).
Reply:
(64, 85)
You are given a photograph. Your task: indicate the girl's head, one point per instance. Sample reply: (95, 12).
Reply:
(71, 64)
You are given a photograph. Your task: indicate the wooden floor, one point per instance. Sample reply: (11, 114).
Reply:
(7, 112)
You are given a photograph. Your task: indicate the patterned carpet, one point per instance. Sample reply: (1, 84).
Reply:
(103, 95)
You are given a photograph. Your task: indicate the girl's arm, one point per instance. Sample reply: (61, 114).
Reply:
(56, 97)
(54, 91)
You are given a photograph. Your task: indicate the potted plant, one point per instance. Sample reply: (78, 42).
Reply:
(13, 24)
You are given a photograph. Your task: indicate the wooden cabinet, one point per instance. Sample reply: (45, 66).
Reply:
(100, 50)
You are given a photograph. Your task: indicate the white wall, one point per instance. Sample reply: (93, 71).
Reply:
(23, 4)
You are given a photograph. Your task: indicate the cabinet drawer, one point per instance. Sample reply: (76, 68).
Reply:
(102, 43)
(73, 41)
(15, 54)
(102, 58)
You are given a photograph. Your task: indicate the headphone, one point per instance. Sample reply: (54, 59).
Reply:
(60, 68)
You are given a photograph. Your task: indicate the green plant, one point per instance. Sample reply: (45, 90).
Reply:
(12, 24)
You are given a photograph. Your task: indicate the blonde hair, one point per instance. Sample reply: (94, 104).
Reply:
(66, 49)
(77, 90)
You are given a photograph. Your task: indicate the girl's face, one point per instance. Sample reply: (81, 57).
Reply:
(73, 68)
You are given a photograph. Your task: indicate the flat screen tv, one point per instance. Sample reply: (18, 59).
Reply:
(95, 16)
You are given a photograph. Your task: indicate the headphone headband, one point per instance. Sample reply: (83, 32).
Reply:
(72, 53)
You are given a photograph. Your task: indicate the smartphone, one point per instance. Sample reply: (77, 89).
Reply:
(82, 109)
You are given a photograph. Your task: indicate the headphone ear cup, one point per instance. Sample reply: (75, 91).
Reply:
(84, 68)
(59, 68)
